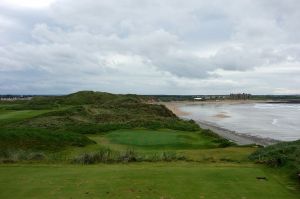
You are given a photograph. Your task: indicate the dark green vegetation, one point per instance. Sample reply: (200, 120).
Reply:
(59, 121)
(47, 146)
(42, 139)
(93, 112)
(285, 155)
(284, 98)
(52, 124)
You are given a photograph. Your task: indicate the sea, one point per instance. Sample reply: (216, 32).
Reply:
(266, 120)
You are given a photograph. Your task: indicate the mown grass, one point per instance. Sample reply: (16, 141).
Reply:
(142, 180)
(10, 116)
(162, 139)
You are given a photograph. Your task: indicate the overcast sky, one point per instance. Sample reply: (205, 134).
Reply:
(150, 46)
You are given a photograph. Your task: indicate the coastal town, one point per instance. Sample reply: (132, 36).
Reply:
(232, 96)
(15, 97)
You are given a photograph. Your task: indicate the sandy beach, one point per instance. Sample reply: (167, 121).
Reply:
(238, 138)
(173, 106)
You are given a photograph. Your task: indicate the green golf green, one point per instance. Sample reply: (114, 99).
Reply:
(161, 139)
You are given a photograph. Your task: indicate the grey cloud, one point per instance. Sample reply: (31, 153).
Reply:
(128, 45)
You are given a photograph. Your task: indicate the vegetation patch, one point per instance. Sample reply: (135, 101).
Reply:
(10, 116)
(41, 139)
(18, 155)
(94, 112)
(106, 155)
(284, 154)
(57, 121)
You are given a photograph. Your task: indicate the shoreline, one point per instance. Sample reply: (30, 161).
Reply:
(238, 138)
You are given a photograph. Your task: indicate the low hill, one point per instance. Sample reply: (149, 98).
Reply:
(92, 112)
(78, 98)
(44, 122)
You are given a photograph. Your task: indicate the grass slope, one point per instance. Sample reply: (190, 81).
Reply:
(39, 139)
(10, 116)
(59, 120)
(144, 180)
(285, 155)
(93, 112)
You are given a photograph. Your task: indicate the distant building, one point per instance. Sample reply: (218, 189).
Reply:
(14, 97)
(240, 96)
(198, 98)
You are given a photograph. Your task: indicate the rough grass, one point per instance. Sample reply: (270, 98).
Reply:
(142, 180)
(106, 155)
(13, 138)
(285, 155)
(56, 122)
(41, 139)
(280, 154)
(17, 155)
(101, 112)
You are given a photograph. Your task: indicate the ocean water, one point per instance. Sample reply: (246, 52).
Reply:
(276, 121)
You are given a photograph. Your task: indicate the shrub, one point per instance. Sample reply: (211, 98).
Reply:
(284, 154)
(106, 155)
(36, 156)
(279, 154)
(17, 155)
(129, 156)
(170, 156)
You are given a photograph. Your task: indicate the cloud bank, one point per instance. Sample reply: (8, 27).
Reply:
(151, 47)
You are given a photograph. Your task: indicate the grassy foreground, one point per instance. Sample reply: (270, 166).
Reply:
(48, 146)
(141, 180)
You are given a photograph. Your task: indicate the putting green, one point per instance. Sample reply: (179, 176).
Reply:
(161, 139)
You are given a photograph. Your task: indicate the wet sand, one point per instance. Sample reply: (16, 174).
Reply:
(174, 107)
(238, 138)
(221, 115)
